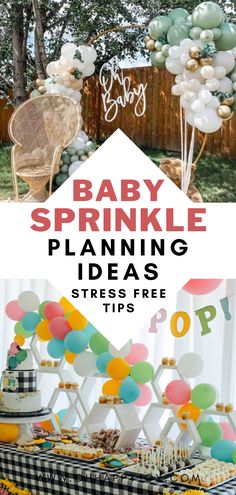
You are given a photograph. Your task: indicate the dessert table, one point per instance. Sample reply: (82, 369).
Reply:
(45, 473)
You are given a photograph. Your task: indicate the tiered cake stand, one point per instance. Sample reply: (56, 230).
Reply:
(25, 422)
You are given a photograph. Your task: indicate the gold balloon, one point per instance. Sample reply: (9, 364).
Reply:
(83, 158)
(228, 101)
(71, 69)
(150, 45)
(42, 89)
(206, 61)
(40, 82)
(146, 39)
(191, 65)
(195, 52)
(224, 112)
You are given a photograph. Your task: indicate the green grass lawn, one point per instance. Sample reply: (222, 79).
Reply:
(215, 177)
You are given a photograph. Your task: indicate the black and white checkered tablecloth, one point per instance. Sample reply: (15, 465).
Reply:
(47, 474)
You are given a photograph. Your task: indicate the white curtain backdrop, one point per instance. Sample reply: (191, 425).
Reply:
(216, 348)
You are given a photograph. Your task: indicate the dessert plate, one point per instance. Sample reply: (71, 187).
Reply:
(89, 461)
(132, 470)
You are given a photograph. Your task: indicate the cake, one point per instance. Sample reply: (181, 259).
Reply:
(19, 392)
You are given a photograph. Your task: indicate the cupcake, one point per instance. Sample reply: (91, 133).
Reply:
(117, 400)
(102, 399)
(43, 362)
(61, 385)
(172, 362)
(165, 361)
(49, 364)
(55, 364)
(220, 406)
(69, 385)
(229, 408)
(75, 386)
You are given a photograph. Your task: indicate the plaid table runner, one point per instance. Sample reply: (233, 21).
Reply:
(47, 474)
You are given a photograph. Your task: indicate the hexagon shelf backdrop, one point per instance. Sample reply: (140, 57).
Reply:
(230, 417)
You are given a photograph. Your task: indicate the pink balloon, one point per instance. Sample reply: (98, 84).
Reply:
(228, 432)
(14, 311)
(14, 348)
(52, 310)
(178, 392)
(145, 396)
(59, 327)
(138, 352)
(201, 286)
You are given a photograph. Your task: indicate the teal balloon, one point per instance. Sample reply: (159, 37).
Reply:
(203, 396)
(76, 341)
(12, 362)
(224, 450)
(159, 26)
(41, 309)
(19, 330)
(90, 330)
(61, 414)
(177, 33)
(156, 63)
(210, 433)
(102, 361)
(207, 15)
(30, 321)
(129, 391)
(60, 178)
(56, 348)
(21, 356)
(227, 41)
(178, 14)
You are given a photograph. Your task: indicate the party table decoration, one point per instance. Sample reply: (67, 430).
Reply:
(196, 49)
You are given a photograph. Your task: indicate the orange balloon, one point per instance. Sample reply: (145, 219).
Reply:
(70, 357)
(67, 306)
(111, 387)
(43, 331)
(77, 321)
(194, 412)
(46, 425)
(19, 339)
(118, 368)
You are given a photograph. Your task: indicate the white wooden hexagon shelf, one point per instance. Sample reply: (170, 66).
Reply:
(189, 437)
(129, 423)
(152, 420)
(162, 368)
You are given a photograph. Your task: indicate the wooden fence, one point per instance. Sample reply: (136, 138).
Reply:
(157, 128)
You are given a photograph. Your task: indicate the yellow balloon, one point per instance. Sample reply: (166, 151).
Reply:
(67, 306)
(111, 387)
(185, 325)
(193, 412)
(19, 339)
(43, 331)
(118, 368)
(9, 433)
(70, 357)
(77, 321)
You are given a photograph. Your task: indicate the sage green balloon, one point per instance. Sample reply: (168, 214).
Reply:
(35, 93)
(227, 40)
(159, 26)
(165, 50)
(234, 105)
(64, 169)
(210, 433)
(233, 76)
(207, 15)
(177, 33)
(142, 372)
(155, 62)
(203, 396)
(180, 20)
(179, 12)
(60, 178)
(195, 33)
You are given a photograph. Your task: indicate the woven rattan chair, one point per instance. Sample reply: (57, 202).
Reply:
(41, 128)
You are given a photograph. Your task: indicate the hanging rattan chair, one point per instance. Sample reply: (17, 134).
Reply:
(41, 128)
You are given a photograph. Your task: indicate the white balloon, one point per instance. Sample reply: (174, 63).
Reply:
(183, 86)
(78, 143)
(184, 58)
(207, 72)
(185, 103)
(190, 95)
(48, 84)
(190, 116)
(78, 65)
(123, 352)
(220, 72)
(187, 74)
(213, 103)
(85, 364)
(82, 135)
(208, 121)
(174, 66)
(88, 53)
(174, 52)
(224, 59)
(194, 85)
(205, 95)
(198, 106)
(212, 84)
(88, 70)
(74, 166)
(179, 78)
(51, 69)
(68, 50)
(226, 85)
(176, 90)
(28, 301)
(186, 44)
(190, 365)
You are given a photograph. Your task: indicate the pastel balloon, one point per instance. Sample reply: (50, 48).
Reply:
(193, 412)
(226, 85)
(138, 352)
(102, 361)
(129, 391)
(28, 301)
(30, 321)
(59, 327)
(210, 433)
(156, 61)
(52, 310)
(14, 348)
(227, 40)
(224, 450)
(9, 433)
(62, 414)
(70, 357)
(207, 15)
(13, 311)
(66, 305)
(41, 309)
(177, 33)
(19, 339)
(76, 320)
(228, 432)
(224, 59)
(98, 343)
(19, 330)
(118, 368)
(43, 330)
(76, 341)
(56, 348)
(203, 395)
(111, 387)
(178, 392)
(142, 372)
(178, 13)
(90, 330)
(158, 26)
(85, 364)
(145, 395)
(201, 286)
(190, 365)
(122, 352)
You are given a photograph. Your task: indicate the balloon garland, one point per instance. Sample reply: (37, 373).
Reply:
(196, 49)
(69, 335)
